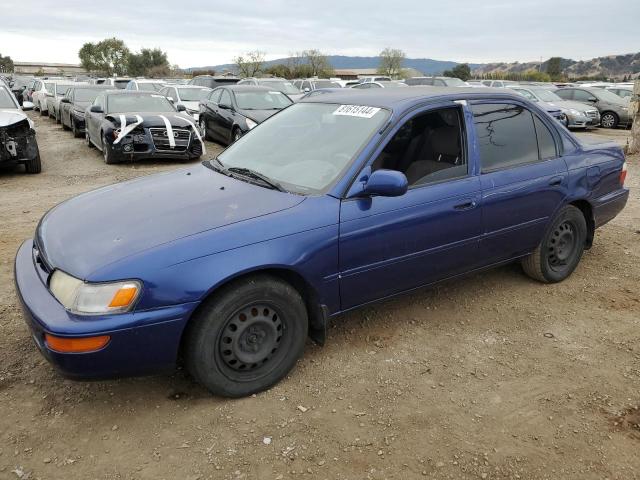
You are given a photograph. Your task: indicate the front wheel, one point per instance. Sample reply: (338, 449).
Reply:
(107, 152)
(248, 337)
(87, 139)
(237, 135)
(559, 253)
(203, 129)
(34, 165)
(609, 120)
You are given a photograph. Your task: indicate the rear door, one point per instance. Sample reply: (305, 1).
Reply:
(523, 177)
(224, 117)
(209, 111)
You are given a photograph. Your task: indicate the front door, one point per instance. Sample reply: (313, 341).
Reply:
(392, 244)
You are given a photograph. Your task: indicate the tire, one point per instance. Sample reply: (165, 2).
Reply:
(107, 153)
(35, 165)
(560, 251)
(248, 337)
(64, 126)
(203, 130)
(609, 120)
(237, 135)
(74, 130)
(87, 139)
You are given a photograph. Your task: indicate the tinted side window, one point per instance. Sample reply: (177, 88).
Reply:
(546, 143)
(506, 135)
(582, 96)
(564, 93)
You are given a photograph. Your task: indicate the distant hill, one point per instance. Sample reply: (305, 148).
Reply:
(425, 65)
(613, 66)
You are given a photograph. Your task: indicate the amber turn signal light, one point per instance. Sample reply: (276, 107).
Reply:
(76, 345)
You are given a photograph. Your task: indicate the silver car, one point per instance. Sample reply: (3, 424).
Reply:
(578, 115)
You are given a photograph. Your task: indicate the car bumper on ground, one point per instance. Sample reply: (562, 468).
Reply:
(139, 342)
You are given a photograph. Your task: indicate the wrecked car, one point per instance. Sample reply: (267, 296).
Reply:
(132, 125)
(18, 143)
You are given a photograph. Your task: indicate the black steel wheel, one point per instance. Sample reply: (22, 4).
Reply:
(247, 337)
(560, 251)
(107, 152)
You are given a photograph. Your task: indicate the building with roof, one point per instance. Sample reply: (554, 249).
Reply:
(32, 68)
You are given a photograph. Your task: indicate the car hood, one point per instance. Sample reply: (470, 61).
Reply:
(98, 228)
(177, 119)
(9, 116)
(258, 115)
(190, 105)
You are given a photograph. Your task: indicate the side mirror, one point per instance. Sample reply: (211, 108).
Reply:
(224, 106)
(593, 100)
(26, 106)
(49, 94)
(96, 109)
(383, 183)
(306, 89)
(181, 108)
(65, 100)
(170, 99)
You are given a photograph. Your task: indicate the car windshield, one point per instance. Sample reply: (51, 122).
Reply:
(139, 104)
(607, 96)
(262, 100)
(280, 85)
(62, 89)
(20, 82)
(49, 87)
(6, 99)
(453, 82)
(327, 84)
(307, 146)
(192, 94)
(546, 95)
(86, 94)
(150, 87)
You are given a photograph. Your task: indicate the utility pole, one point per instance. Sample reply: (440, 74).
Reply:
(634, 110)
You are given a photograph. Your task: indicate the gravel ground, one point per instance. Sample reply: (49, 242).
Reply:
(493, 376)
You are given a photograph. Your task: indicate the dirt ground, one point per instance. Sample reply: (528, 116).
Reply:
(493, 376)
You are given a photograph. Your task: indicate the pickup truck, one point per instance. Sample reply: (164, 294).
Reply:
(340, 200)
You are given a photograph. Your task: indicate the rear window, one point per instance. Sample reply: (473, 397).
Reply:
(506, 135)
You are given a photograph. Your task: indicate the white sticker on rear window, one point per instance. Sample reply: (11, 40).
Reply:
(361, 111)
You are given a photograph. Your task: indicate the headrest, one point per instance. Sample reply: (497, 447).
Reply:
(446, 141)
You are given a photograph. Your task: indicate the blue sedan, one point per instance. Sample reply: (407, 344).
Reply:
(338, 201)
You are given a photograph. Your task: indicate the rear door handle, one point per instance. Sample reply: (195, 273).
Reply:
(555, 181)
(466, 205)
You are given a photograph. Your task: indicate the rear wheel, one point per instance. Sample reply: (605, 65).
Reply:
(203, 129)
(74, 129)
(248, 337)
(87, 139)
(237, 134)
(561, 249)
(609, 120)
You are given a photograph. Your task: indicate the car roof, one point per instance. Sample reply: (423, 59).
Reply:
(180, 85)
(245, 88)
(400, 98)
(112, 91)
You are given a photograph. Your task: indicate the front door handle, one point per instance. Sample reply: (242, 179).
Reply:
(466, 205)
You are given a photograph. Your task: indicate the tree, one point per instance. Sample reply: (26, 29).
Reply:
(6, 64)
(462, 71)
(147, 60)
(109, 57)
(279, 70)
(391, 60)
(250, 64)
(318, 63)
(554, 68)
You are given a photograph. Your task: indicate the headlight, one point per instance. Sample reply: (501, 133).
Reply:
(93, 298)
(251, 123)
(624, 109)
(573, 111)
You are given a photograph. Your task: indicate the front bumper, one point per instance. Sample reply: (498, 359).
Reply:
(17, 145)
(141, 342)
(139, 145)
(582, 121)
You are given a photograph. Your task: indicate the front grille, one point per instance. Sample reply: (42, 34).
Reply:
(160, 139)
(592, 113)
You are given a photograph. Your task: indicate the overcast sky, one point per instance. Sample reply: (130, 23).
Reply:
(198, 32)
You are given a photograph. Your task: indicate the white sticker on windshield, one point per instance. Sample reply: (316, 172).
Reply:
(356, 111)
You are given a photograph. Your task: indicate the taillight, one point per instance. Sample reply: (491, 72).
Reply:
(623, 174)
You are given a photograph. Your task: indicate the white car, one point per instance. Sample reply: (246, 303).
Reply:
(145, 84)
(18, 144)
(119, 83)
(53, 98)
(622, 90)
(39, 95)
(278, 84)
(187, 95)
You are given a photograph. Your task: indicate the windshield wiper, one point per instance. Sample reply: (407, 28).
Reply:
(218, 166)
(247, 172)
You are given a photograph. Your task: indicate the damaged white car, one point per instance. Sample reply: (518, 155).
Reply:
(18, 143)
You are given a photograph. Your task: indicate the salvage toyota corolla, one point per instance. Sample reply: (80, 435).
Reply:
(335, 202)
(131, 125)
